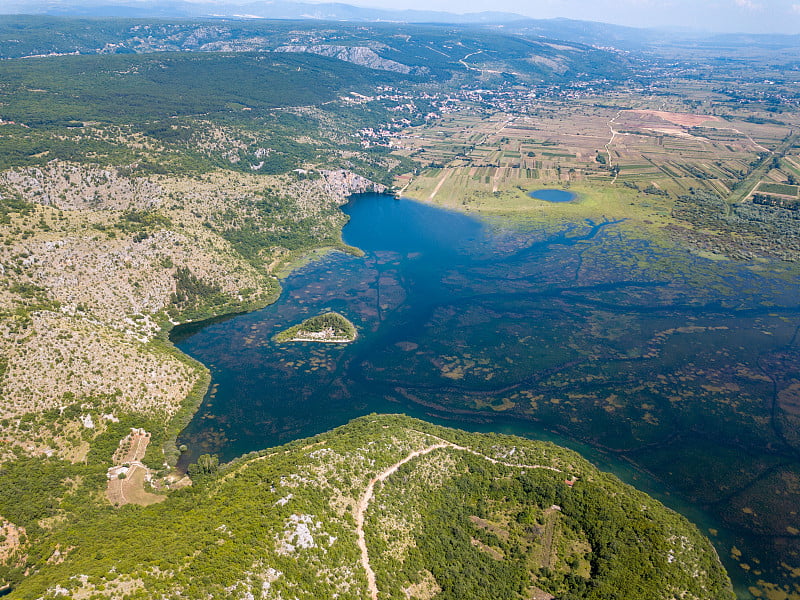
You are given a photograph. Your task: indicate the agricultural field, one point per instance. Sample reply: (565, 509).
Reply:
(704, 168)
(160, 174)
(569, 144)
(626, 156)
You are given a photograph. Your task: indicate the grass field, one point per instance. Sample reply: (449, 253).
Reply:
(779, 188)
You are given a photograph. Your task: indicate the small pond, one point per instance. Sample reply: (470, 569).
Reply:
(666, 368)
(551, 195)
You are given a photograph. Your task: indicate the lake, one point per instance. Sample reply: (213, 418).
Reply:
(550, 195)
(675, 372)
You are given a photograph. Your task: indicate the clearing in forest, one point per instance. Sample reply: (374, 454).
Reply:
(127, 477)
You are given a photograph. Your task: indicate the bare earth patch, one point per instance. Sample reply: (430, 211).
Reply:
(127, 478)
(538, 594)
(681, 119)
(495, 554)
(424, 590)
(490, 527)
(11, 544)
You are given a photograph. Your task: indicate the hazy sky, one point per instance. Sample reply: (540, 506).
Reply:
(756, 16)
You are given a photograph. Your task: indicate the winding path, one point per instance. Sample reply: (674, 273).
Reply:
(609, 142)
(481, 71)
(360, 509)
(463, 61)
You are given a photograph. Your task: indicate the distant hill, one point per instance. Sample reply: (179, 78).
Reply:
(606, 35)
(423, 51)
(333, 11)
(591, 33)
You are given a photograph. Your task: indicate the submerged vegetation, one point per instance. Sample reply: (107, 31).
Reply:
(171, 171)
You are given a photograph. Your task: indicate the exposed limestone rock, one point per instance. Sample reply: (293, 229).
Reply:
(343, 183)
(55, 354)
(11, 544)
(87, 292)
(73, 187)
(359, 55)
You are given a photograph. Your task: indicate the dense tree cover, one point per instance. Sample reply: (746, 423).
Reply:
(334, 320)
(251, 238)
(630, 542)
(47, 104)
(33, 146)
(655, 191)
(135, 88)
(31, 488)
(271, 125)
(10, 204)
(142, 221)
(279, 111)
(270, 220)
(768, 200)
(22, 146)
(43, 494)
(192, 293)
(762, 217)
(206, 465)
(235, 522)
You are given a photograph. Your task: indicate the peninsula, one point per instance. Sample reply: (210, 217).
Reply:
(161, 172)
(391, 507)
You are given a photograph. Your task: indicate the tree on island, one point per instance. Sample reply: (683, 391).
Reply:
(328, 327)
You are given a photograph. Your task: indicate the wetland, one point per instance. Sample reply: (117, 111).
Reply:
(675, 371)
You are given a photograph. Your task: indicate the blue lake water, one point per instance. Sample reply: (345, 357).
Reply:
(670, 370)
(552, 195)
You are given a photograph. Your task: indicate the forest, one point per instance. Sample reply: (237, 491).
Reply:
(280, 520)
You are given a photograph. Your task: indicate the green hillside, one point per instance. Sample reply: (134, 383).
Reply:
(445, 514)
(133, 88)
(330, 326)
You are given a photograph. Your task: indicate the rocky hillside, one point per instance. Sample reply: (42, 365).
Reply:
(359, 55)
(96, 264)
(419, 51)
(163, 202)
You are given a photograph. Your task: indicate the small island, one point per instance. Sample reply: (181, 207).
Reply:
(330, 327)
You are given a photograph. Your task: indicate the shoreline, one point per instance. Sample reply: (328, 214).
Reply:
(333, 341)
(190, 405)
(322, 341)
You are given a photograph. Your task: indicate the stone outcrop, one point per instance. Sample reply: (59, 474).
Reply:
(342, 183)
(359, 55)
